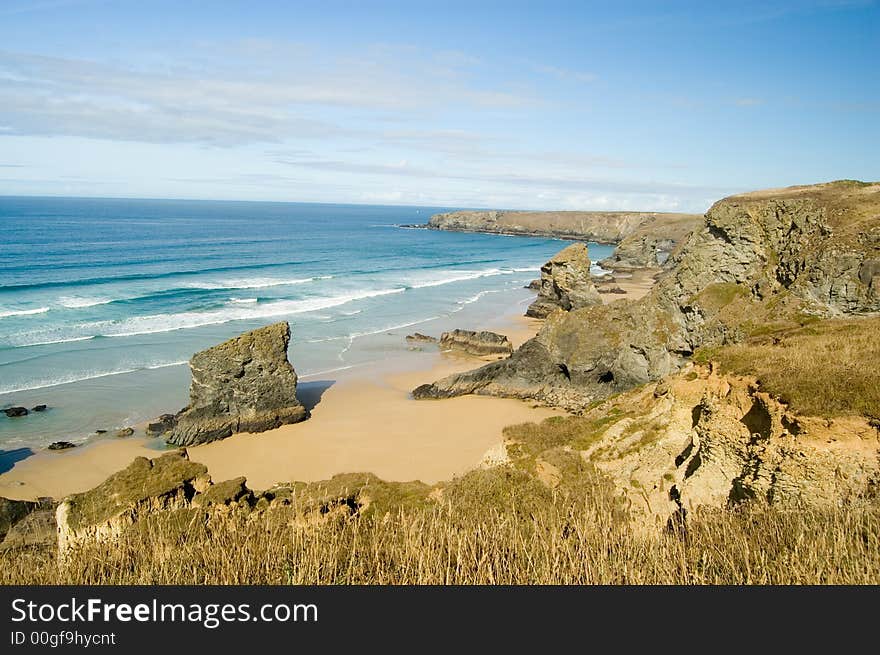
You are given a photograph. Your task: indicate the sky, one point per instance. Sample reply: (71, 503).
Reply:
(659, 106)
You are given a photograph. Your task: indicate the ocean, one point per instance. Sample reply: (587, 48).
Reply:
(102, 301)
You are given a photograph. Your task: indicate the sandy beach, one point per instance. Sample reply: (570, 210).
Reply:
(361, 422)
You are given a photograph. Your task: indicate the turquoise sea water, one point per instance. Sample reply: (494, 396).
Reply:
(102, 301)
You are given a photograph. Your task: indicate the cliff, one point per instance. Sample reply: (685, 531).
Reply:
(701, 439)
(760, 263)
(600, 227)
(651, 244)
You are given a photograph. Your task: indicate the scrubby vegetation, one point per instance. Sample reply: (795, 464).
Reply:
(489, 527)
(824, 369)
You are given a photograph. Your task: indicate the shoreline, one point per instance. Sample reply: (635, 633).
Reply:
(362, 421)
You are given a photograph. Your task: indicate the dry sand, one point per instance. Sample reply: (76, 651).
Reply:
(636, 283)
(364, 421)
(359, 424)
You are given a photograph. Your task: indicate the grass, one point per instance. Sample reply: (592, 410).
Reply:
(825, 369)
(568, 536)
(530, 439)
(717, 296)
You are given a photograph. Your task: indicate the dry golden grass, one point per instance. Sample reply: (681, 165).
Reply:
(525, 535)
(825, 369)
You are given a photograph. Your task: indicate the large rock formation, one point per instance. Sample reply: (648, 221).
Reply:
(652, 243)
(700, 439)
(565, 283)
(245, 384)
(146, 486)
(174, 488)
(601, 227)
(476, 343)
(760, 261)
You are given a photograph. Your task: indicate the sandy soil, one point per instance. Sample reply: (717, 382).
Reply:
(636, 283)
(359, 423)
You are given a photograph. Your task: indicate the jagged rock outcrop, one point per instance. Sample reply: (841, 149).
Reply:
(418, 337)
(601, 227)
(245, 384)
(61, 445)
(763, 260)
(565, 283)
(652, 243)
(173, 487)
(161, 425)
(476, 343)
(145, 486)
(15, 412)
(702, 439)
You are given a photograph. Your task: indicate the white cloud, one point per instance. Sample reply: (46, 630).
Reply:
(222, 100)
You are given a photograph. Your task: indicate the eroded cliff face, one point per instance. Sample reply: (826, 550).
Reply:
(761, 261)
(702, 439)
(601, 227)
(145, 487)
(652, 243)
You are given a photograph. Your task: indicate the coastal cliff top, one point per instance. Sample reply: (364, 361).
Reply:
(848, 202)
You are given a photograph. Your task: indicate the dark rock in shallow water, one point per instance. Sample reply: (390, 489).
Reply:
(161, 425)
(14, 412)
(418, 337)
(61, 445)
(476, 343)
(39, 408)
(245, 384)
(534, 285)
(100, 431)
(125, 432)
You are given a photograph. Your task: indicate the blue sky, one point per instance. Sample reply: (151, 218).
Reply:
(581, 105)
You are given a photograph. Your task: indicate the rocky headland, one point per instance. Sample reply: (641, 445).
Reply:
(760, 261)
(785, 276)
(745, 375)
(652, 243)
(600, 227)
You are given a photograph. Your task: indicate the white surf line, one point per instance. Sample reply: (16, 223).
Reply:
(61, 383)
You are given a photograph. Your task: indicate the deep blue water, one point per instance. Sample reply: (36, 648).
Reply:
(114, 295)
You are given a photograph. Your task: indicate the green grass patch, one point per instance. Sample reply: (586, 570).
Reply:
(827, 368)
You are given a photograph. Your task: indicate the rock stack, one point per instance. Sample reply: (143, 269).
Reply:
(476, 343)
(565, 283)
(245, 384)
